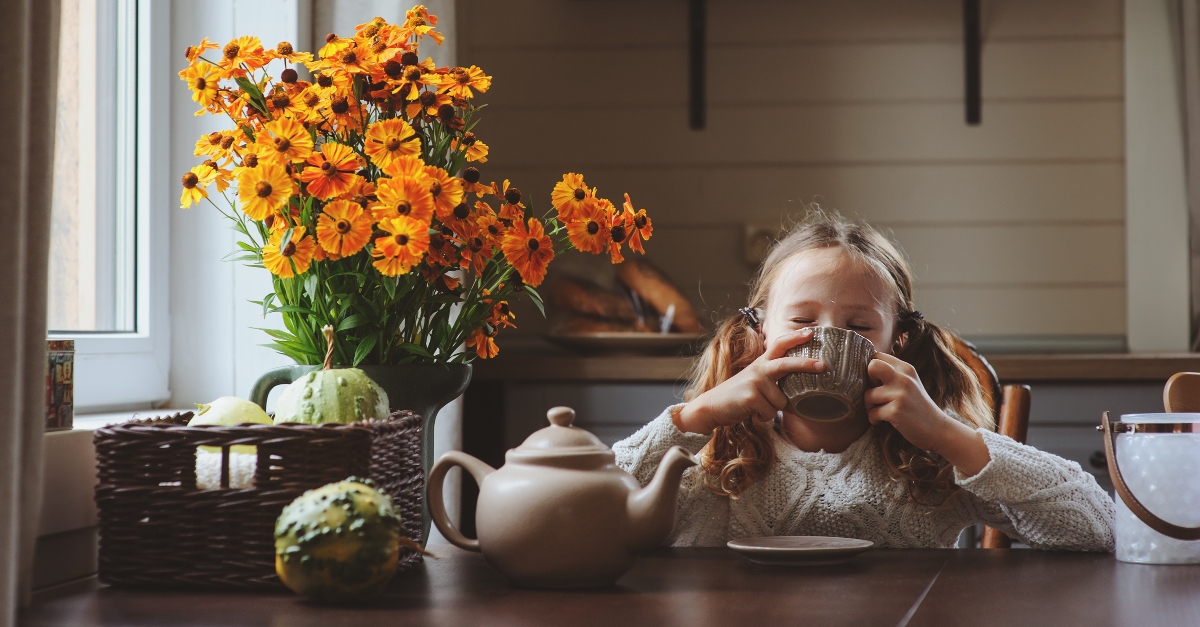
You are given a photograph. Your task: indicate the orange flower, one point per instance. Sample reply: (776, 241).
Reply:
(344, 110)
(390, 139)
(193, 52)
(348, 55)
(447, 192)
(470, 179)
(194, 183)
(476, 150)
(285, 140)
(488, 224)
(282, 104)
(285, 50)
(502, 316)
(528, 250)
(361, 192)
(427, 101)
(418, 21)
(287, 259)
(204, 81)
(343, 228)
(406, 196)
(244, 51)
(642, 227)
(442, 250)
(620, 223)
(402, 248)
(460, 81)
(413, 77)
(405, 166)
(219, 176)
(475, 251)
(570, 195)
(332, 170)
(263, 190)
(588, 229)
(484, 344)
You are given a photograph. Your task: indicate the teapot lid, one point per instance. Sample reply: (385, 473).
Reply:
(560, 439)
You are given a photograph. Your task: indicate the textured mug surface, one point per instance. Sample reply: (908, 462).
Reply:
(837, 392)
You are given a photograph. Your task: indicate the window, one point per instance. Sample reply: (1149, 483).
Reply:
(92, 261)
(108, 281)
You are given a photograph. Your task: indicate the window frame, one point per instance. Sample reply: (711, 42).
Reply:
(128, 370)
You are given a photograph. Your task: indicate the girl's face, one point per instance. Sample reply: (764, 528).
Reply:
(826, 287)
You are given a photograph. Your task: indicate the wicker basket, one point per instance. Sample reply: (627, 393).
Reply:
(157, 529)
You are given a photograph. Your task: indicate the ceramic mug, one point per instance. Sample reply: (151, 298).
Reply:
(835, 393)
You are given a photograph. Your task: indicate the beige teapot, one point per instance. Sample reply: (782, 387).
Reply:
(559, 513)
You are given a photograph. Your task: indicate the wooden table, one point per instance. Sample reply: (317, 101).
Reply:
(697, 587)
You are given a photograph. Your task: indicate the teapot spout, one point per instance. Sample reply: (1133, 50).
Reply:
(652, 508)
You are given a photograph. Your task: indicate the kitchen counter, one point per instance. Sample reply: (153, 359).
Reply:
(698, 587)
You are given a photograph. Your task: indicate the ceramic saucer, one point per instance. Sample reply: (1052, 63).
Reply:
(799, 550)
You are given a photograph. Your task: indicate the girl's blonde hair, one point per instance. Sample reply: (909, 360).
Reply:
(739, 455)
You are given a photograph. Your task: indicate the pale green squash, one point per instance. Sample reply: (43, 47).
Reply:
(341, 395)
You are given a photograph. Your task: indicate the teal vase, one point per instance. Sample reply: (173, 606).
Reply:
(421, 388)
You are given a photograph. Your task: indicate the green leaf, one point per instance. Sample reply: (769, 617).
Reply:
(364, 348)
(352, 322)
(537, 300)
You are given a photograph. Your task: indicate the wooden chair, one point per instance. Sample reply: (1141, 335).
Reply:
(1182, 393)
(1010, 408)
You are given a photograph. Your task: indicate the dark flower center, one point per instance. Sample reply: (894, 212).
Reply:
(393, 69)
(226, 142)
(461, 76)
(349, 57)
(580, 194)
(231, 51)
(392, 144)
(324, 80)
(476, 244)
(412, 74)
(404, 208)
(512, 196)
(427, 98)
(471, 175)
(289, 76)
(436, 241)
(201, 83)
(435, 189)
(326, 167)
(640, 222)
(215, 139)
(343, 227)
(282, 144)
(446, 112)
(533, 245)
(284, 48)
(330, 38)
(592, 227)
(262, 189)
(190, 180)
(268, 221)
(618, 233)
(288, 250)
(493, 229)
(409, 58)
(378, 45)
(402, 239)
(469, 139)
(312, 100)
(462, 211)
(339, 105)
(250, 161)
(281, 100)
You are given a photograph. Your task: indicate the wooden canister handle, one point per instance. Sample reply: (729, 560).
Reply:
(1145, 515)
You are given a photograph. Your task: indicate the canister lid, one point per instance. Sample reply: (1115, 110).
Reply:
(1161, 418)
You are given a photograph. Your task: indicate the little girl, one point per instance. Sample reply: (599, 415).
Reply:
(927, 466)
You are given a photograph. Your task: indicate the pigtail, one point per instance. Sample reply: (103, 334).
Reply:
(740, 454)
(952, 385)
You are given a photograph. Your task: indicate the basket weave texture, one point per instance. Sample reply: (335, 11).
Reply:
(157, 529)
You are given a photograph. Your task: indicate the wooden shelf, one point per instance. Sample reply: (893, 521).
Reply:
(558, 368)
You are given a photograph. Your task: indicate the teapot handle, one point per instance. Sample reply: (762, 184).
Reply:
(437, 506)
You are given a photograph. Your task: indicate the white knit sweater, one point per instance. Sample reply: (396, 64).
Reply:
(1038, 498)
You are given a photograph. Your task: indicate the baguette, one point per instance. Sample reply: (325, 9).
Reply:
(657, 291)
(585, 297)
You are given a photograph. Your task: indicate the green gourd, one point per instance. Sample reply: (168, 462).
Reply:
(229, 411)
(339, 542)
(341, 395)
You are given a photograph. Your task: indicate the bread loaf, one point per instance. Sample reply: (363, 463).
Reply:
(585, 297)
(657, 291)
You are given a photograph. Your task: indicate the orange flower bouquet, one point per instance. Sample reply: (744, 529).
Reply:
(354, 191)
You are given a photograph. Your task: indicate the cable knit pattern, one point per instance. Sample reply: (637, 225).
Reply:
(1036, 497)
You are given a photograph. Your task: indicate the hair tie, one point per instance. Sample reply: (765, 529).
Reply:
(750, 314)
(911, 316)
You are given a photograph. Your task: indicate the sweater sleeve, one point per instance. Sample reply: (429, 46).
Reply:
(640, 453)
(1041, 499)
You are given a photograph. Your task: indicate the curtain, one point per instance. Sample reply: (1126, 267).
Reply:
(1188, 33)
(29, 47)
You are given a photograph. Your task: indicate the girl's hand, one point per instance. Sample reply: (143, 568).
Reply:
(752, 393)
(901, 400)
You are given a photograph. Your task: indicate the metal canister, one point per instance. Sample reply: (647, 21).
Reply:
(60, 379)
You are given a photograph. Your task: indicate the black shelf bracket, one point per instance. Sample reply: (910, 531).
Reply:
(697, 14)
(972, 61)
